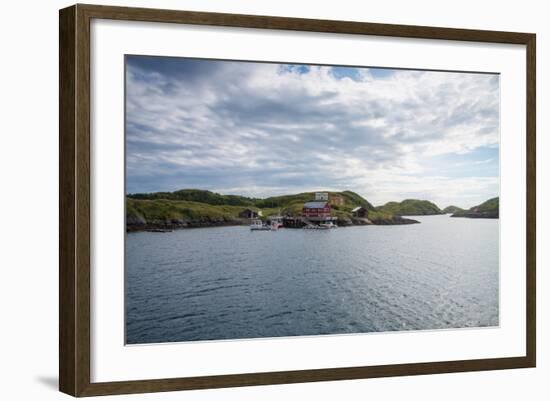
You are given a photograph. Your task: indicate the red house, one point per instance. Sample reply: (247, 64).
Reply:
(316, 209)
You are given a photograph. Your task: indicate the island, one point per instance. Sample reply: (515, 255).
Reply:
(487, 210)
(410, 207)
(452, 209)
(189, 208)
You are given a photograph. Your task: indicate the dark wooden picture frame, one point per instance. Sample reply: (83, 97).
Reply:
(74, 203)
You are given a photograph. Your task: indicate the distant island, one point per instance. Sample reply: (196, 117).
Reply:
(410, 207)
(201, 208)
(414, 207)
(452, 209)
(487, 210)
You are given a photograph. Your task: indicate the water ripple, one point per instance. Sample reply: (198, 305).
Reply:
(228, 282)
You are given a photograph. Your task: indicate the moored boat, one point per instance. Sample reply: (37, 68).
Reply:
(258, 225)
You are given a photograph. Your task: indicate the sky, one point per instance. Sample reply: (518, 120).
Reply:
(265, 129)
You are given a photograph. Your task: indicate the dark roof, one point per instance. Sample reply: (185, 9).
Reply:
(315, 205)
(249, 211)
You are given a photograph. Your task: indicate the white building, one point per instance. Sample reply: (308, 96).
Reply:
(321, 196)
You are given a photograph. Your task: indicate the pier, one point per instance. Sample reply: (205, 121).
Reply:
(301, 221)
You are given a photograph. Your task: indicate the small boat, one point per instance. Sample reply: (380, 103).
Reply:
(276, 222)
(159, 230)
(330, 224)
(258, 225)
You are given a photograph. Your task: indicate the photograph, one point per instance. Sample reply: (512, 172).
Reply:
(280, 199)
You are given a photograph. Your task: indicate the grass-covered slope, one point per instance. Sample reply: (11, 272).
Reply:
(491, 205)
(410, 207)
(197, 195)
(286, 201)
(452, 209)
(193, 207)
(175, 210)
(488, 210)
(293, 204)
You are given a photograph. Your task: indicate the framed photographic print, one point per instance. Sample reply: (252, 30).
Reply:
(250, 200)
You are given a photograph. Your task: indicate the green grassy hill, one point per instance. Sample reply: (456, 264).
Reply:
(488, 210)
(198, 207)
(491, 205)
(410, 207)
(292, 204)
(197, 195)
(452, 209)
(175, 210)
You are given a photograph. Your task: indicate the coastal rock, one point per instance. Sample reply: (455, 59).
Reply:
(395, 220)
(135, 220)
(361, 221)
(345, 221)
(477, 215)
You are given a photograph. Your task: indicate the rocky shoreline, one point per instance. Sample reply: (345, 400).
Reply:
(133, 224)
(139, 224)
(396, 221)
(477, 215)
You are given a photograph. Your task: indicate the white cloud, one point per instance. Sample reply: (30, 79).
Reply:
(242, 127)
